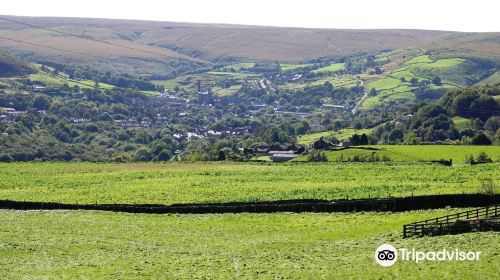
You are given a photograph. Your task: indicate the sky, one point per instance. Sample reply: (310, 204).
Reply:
(451, 15)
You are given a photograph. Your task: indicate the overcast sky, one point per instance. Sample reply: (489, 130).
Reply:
(453, 15)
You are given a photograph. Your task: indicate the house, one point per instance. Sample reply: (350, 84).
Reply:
(261, 149)
(271, 153)
(345, 143)
(282, 157)
(333, 106)
(322, 144)
(39, 88)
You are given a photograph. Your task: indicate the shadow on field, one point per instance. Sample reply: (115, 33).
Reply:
(393, 204)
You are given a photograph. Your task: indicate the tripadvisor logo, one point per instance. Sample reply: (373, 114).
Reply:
(387, 255)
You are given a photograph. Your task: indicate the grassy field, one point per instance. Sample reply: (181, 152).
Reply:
(59, 81)
(454, 72)
(291, 67)
(225, 182)
(334, 67)
(239, 66)
(461, 123)
(226, 91)
(95, 245)
(415, 153)
(336, 81)
(419, 59)
(341, 134)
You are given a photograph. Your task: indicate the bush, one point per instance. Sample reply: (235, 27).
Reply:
(483, 158)
(317, 157)
(5, 158)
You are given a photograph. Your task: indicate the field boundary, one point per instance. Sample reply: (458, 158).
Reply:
(390, 204)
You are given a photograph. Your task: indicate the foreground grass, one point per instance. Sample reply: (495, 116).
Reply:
(96, 245)
(225, 182)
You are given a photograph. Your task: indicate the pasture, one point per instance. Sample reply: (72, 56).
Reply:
(394, 84)
(334, 67)
(414, 153)
(171, 183)
(340, 134)
(292, 67)
(92, 244)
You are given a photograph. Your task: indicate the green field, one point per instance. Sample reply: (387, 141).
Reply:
(104, 245)
(341, 134)
(291, 67)
(226, 91)
(334, 67)
(239, 66)
(59, 81)
(461, 123)
(454, 73)
(225, 182)
(419, 59)
(415, 153)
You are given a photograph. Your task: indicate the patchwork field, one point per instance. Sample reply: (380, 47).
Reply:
(394, 84)
(79, 244)
(227, 182)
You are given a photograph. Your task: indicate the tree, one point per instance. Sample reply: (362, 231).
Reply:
(164, 155)
(395, 135)
(143, 154)
(436, 80)
(410, 139)
(492, 124)
(41, 102)
(481, 139)
(413, 81)
(373, 92)
(221, 156)
(355, 139)
(363, 140)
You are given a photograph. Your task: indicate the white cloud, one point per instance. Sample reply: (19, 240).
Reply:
(478, 15)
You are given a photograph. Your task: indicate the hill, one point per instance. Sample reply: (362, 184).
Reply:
(10, 66)
(176, 47)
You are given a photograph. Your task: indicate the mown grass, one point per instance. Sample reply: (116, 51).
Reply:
(103, 245)
(226, 182)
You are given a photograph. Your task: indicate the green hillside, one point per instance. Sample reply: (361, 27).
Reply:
(401, 81)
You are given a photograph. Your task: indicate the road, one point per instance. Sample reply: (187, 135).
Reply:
(365, 95)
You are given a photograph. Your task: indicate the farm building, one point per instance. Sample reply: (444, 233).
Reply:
(345, 143)
(282, 157)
